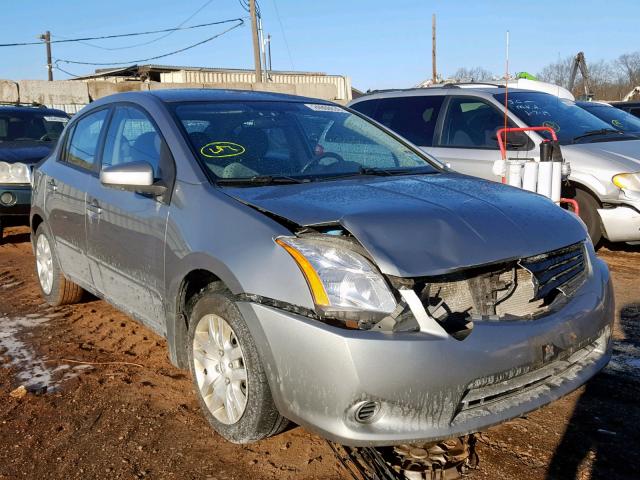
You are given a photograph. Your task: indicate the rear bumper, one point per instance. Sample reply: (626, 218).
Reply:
(431, 388)
(15, 200)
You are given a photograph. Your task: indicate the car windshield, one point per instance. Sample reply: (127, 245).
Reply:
(34, 125)
(292, 141)
(570, 122)
(616, 118)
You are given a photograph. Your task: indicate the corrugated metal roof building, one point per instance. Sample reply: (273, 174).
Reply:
(233, 77)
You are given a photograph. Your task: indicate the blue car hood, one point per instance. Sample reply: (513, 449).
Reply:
(24, 151)
(425, 225)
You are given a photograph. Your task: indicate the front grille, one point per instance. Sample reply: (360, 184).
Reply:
(522, 289)
(559, 270)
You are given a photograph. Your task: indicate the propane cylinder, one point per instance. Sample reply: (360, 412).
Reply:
(514, 173)
(545, 169)
(556, 181)
(530, 176)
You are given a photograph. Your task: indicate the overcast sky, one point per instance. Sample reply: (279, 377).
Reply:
(379, 44)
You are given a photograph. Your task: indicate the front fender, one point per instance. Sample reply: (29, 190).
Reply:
(232, 241)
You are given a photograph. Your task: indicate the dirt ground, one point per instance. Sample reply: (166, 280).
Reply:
(128, 413)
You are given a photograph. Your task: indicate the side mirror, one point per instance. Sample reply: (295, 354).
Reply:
(517, 141)
(134, 177)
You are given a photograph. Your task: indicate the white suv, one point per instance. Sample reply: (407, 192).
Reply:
(458, 126)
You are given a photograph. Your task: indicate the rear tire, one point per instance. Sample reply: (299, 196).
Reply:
(589, 214)
(56, 289)
(228, 375)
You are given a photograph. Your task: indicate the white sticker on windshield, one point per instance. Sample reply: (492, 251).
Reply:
(318, 107)
(56, 119)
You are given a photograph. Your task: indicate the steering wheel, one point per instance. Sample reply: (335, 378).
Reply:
(315, 161)
(45, 138)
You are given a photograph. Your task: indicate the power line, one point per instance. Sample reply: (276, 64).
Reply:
(142, 60)
(161, 37)
(284, 35)
(134, 34)
(245, 5)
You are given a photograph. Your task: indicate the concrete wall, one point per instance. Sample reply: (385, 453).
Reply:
(99, 89)
(71, 95)
(9, 91)
(60, 91)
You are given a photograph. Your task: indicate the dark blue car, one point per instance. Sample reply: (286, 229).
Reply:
(27, 135)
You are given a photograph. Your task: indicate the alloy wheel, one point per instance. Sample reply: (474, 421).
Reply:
(44, 264)
(220, 369)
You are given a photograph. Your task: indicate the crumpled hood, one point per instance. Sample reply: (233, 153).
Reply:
(425, 225)
(619, 156)
(24, 151)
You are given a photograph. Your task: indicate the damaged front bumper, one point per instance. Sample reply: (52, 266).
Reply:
(415, 386)
(622, 222)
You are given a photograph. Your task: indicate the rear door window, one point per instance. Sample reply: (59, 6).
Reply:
(413, 117)
(83, 146)
(471, 123)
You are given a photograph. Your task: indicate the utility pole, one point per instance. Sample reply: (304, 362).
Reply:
(269, 52)
(256, 42)
(433, 49)
(47, 39)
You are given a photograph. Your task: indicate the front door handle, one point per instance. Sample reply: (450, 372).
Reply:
(51, 185)
(93, 209)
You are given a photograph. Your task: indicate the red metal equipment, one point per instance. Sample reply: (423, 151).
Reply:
(503, 152)
(501, 142)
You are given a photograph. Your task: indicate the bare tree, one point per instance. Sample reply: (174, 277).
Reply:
(475, 74)
(629, 65)
(610, 80)
(557, 72)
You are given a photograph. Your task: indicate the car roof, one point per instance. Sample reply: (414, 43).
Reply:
(464, 90)
(32, 109)
(217, 95)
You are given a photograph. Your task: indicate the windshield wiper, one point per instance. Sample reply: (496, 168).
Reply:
(261, 180)
(382, 172)
(396, 171)
(602, 131)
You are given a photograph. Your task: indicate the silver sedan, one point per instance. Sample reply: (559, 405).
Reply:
(307, 265)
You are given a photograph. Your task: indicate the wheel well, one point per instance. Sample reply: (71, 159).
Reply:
(570, 191)
(36, 220)
(191, 285)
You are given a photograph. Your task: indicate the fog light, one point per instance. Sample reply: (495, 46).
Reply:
(366, 412)
(8, 199)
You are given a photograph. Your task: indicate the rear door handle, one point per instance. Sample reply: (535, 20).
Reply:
(51, 185)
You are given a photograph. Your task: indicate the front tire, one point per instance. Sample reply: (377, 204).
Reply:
(228, 374)
(56, 289)
(589, 214)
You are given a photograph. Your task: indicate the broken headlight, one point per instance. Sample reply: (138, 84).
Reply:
(341, 281)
